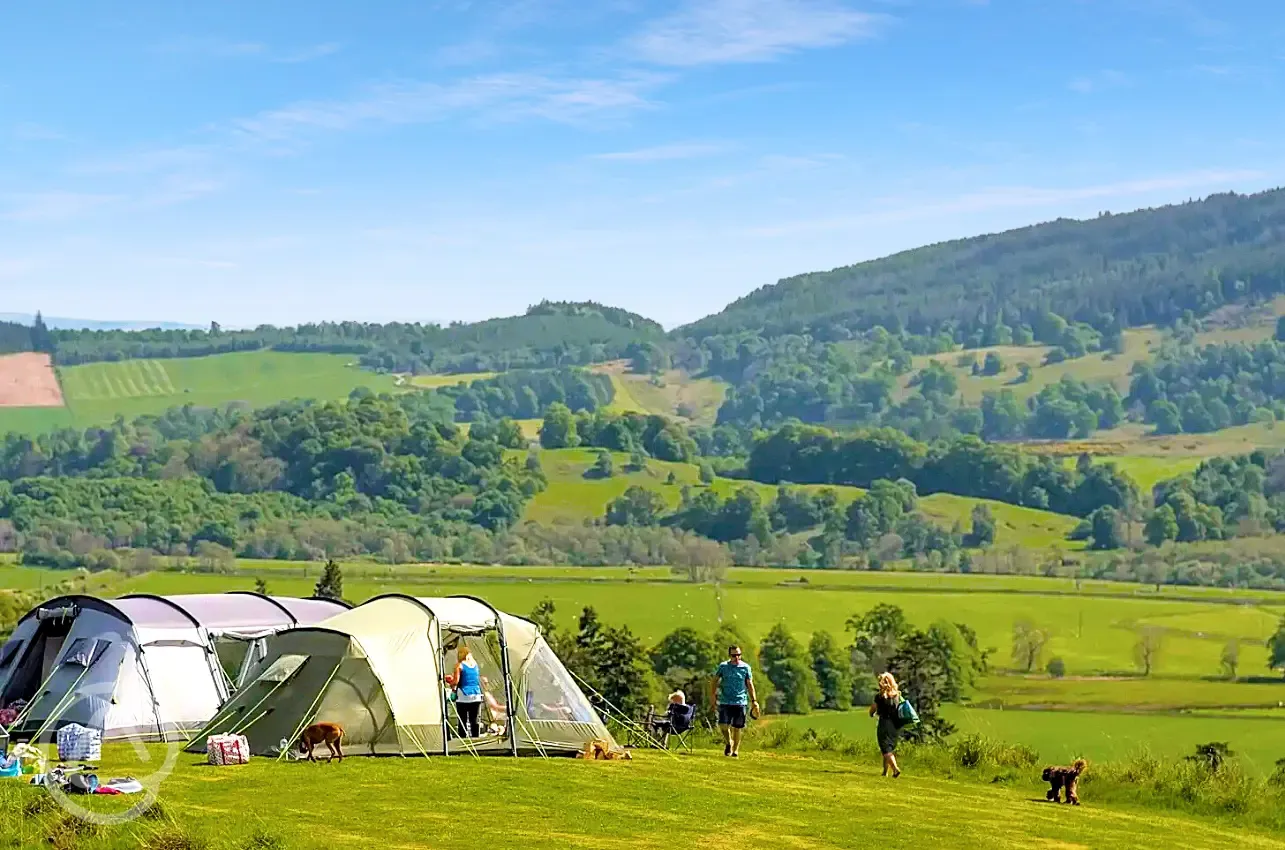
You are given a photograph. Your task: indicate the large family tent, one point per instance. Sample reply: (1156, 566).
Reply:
(141, 666)
(377, 671)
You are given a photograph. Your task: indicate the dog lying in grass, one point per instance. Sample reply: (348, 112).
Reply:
(330, 734)
(600, 750)
(1067, 778)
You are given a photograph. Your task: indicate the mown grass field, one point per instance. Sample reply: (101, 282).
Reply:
(1062, 736)
(654, 801)
(432, 382)
(96, 393)
(573, 498)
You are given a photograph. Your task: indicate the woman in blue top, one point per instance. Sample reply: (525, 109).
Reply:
(467, 681)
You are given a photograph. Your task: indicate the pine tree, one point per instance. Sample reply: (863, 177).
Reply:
(331, 583)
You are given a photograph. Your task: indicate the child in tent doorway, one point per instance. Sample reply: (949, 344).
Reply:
(467, 681)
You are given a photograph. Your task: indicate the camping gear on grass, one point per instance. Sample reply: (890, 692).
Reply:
(227, 749)
(906, 714)
(82, 783)
(377, 670)
(141, 666)
(79, 743)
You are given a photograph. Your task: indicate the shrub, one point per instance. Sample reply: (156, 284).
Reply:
(1056, 668)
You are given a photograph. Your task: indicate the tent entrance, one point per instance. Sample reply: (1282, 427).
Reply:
(33, 660)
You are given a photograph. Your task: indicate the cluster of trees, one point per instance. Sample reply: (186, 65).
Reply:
(646, 435)
(263, 480)
(966, 466)
(548, 335)
(1194, 389)
(1109, 273)
(525, 394)
(1067, 409)
(934, 666)
(16, 338)
(881, 525)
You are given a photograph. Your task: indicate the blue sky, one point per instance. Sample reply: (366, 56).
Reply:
(281, 162)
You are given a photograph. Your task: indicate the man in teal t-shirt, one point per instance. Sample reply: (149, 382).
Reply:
(733, 692)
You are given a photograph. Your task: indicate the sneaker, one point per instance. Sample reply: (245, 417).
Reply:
(727, 749)
(736, 755)
(896, 774)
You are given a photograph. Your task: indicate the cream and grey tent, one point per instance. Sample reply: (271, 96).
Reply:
(141, 666)
(377, 671)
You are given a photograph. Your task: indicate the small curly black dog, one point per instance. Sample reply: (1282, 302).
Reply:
(1059, 778)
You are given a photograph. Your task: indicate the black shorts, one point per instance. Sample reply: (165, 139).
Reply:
(731, 715)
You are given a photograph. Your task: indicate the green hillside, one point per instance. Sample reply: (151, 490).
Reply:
(1141, 267)
(571, 497)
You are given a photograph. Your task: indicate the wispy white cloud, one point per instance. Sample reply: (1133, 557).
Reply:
(499, 96)
(1014, 197)
(227, 49)
(51, 206)
(705, 32)
(1099, 81)
(660, 153)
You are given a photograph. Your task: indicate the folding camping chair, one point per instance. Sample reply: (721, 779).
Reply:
(677, 722)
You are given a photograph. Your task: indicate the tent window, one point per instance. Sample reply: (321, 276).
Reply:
(9, 653)
(85, 651)
(283, 668)
(550, 693)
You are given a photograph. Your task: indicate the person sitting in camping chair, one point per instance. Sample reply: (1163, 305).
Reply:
(678, 719)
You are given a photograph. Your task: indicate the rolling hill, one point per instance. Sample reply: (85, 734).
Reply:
(574, 497)
(1137, 268)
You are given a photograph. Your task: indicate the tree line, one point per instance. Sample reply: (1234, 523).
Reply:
(621, 675)
(548, 335)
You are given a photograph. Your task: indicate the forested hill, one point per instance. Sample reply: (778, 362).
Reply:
(548, 335)
(1113, 271)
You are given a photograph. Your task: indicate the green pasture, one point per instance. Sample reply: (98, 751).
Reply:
(1134, 693)
(432, 382)
(96, 393)
(1140, 344)
(571, 497)
(673, 394)
(1092, 634)
(1062, 736)
(654, 801)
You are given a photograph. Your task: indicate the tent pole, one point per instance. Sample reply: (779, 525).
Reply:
(441, 687)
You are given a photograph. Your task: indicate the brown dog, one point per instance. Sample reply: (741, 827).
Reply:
(1064, 778)
(330, 734)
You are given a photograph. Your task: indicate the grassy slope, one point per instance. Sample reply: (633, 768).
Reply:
(571, 497)
(655, 801)
(96, 393)
(674, 394)
(1098, 736)
(1140, 344)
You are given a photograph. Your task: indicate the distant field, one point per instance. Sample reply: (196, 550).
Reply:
(1093, 634)
(1140, 344)
(1061, 736)
(571, 497)
(1146, 471)
(96, 393)
(431, 382)
(28, 380)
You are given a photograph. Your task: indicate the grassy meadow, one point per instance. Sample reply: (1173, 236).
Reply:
(1062, 736)
(1103, 710)
(571, 497)
(765, 798)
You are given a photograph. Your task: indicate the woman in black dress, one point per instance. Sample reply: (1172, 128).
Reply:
(887, 732)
